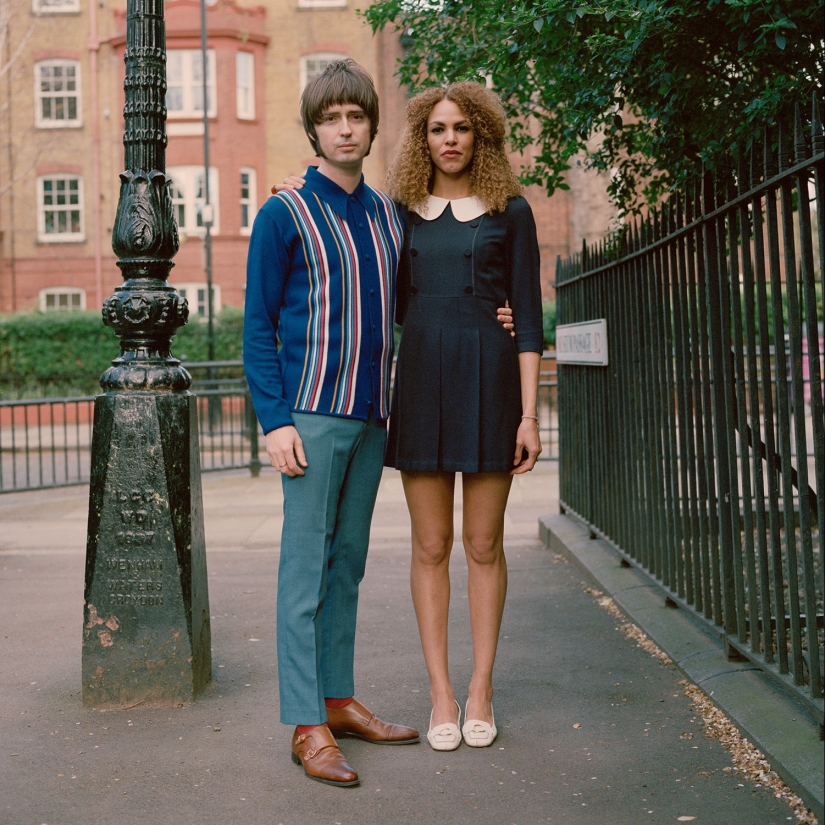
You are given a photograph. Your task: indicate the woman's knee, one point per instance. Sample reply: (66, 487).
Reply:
(485, 549)
(433, 550)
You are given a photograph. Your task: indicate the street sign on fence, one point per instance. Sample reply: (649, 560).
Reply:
(584, 343)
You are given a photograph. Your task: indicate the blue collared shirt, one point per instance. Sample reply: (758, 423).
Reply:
(320, 298)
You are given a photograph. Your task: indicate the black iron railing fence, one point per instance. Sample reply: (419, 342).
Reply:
(45, 442)
(699, 451)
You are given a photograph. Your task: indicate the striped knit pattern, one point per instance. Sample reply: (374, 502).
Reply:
(330, 250)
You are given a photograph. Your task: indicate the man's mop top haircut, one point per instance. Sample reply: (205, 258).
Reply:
(341, 82)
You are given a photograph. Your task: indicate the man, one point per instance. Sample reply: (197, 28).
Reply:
(318, 339)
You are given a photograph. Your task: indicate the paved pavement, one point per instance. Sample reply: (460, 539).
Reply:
(591, 728)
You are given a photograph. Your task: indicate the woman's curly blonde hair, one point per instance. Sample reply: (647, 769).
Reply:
(492, 181)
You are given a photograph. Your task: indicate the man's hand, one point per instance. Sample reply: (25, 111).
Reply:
(290, 182)
(286, 451)
(505, 318)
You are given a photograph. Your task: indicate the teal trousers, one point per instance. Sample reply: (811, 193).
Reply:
(327, 515)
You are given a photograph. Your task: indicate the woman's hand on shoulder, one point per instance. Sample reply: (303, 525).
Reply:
(527, 441)
(290, 182)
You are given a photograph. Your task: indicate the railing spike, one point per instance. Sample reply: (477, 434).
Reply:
(817, 137)
(770, 163)
(783, 152)
(800, 144)
(742, 176)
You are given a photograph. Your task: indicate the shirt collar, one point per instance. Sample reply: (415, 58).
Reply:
(464, 209)
(334, 195)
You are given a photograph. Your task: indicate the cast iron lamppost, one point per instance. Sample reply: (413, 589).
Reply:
(146, 630)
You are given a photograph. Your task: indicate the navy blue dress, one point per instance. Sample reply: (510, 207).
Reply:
(456, 403)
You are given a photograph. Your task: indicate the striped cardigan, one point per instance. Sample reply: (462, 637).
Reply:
(320, 298)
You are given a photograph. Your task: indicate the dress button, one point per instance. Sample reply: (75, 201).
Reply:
(367, 258)
(468, 289)
(413, 252)
(360, 226)
(468, 253)
(372, 292)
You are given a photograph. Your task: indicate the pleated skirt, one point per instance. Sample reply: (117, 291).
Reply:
(456, 403)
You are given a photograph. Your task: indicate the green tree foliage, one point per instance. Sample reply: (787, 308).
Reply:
(661, 86)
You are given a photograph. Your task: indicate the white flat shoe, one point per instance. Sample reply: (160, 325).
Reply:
(446, 737)
(478, 734)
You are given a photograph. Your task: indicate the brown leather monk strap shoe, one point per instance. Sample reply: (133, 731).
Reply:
(356, 720)
(321, 758)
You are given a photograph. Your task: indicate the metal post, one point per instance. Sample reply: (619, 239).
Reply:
(146, 630)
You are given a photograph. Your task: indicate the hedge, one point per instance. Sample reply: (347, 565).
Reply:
(64, 353)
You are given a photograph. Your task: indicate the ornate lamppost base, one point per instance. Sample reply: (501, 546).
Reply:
(146, 629)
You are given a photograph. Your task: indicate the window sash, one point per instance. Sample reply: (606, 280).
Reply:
(313, 64)
(245, 85)
(60, 207)
(62, 301)
(248, 200)
(55, 6)
(184, 82)
(188, 198)
(57, 90)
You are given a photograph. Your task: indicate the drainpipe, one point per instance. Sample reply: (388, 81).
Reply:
(12, 229)
(94, 47)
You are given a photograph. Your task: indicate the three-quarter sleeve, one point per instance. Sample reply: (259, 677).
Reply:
(523, 278)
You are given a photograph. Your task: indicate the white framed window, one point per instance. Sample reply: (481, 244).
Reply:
(245, 85)
(189, 196)
(195, 293)
(313, 64)
(57, 94)
(62, 299)
(60, 208)
(322, 4)
(55, 6)
(184, 83)
(249, 203)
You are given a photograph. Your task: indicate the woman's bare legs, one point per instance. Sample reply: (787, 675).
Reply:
(430, 502)
(485, 498)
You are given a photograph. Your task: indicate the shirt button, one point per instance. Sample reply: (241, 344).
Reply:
(372, 292)
(367, 258)
(474, 224)
(468, 253)
(360, 226)
(373, 326)
(413, 289)
(413, 252)
(468, 289)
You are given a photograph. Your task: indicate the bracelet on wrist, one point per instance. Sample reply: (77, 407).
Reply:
(534, 417)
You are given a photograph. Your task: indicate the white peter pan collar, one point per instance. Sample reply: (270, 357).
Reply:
(464, 209)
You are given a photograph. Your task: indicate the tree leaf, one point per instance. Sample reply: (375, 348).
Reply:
(538, 24)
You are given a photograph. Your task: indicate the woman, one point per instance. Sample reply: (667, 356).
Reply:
(465, 395)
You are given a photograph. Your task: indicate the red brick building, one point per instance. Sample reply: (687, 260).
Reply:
(61, 129)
